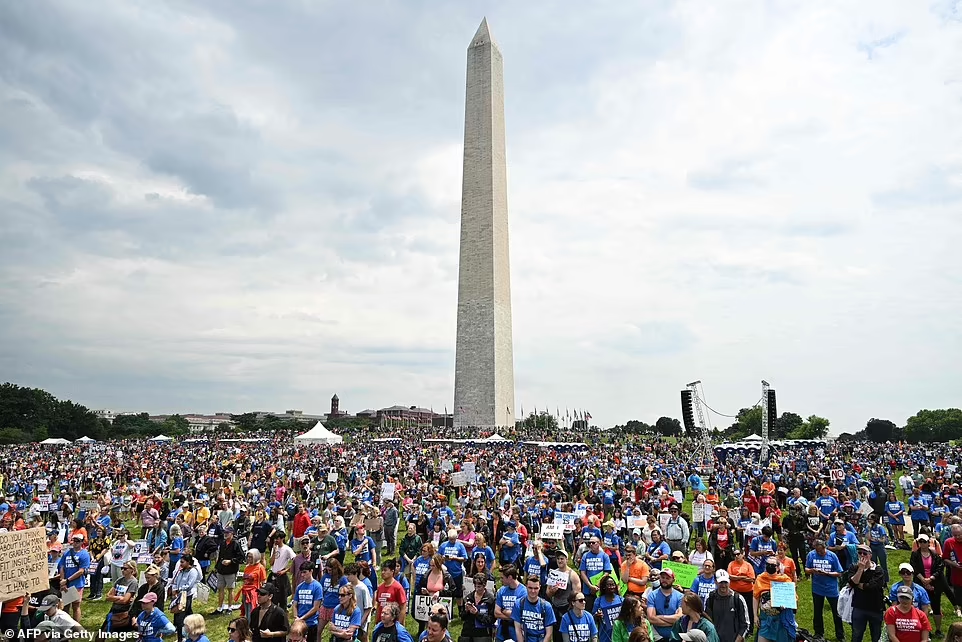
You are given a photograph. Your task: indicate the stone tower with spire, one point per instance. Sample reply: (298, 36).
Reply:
(484, 361)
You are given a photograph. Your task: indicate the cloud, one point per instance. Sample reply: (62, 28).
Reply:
(224, 207)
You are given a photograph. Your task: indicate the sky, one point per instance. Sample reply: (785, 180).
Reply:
(245, 205)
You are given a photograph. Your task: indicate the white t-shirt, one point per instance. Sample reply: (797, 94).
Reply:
(282, 557)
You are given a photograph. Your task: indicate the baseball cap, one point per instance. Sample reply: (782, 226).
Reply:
(864, 547)
(694, 635)
(77, 538)
(637, 531)
(906, 592)
(904, 566)
(48, 602)
(149, 597)
(667, 571)
(922, 538)
(266, 589)
(722, 576)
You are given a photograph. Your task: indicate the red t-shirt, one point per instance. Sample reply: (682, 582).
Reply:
(393, 593)
(953, 551)
(908, 626)
(722, 539)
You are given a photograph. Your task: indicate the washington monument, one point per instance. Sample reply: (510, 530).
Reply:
(484, 363)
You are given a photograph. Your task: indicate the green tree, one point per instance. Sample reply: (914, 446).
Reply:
(815, 427)
(542, 421)
(175, 426)
(246, 422)
(934, 425)
(785, 424)
(880, 430)
(668, 427)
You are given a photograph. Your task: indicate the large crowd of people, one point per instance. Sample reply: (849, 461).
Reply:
(621, 541)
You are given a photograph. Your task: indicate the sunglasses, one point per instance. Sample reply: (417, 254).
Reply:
(232, 629)
(344, 594)
(864, 553)
(580, 599)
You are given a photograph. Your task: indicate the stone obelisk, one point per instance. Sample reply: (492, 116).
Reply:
(484, 363)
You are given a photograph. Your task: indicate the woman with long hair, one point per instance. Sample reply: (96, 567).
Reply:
(346, 619)
(239, 630)
(929, 571)
(693, 617)
(631, 615)
(700, 553)
(331, 583)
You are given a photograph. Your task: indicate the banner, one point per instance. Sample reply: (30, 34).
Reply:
(685, 574)
(447, 465)
(88, 505)
(23, 563)
(552, 531)
(679, 496)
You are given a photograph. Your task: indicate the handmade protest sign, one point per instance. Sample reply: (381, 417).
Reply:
(459, 479)
(558, 578)
(88, 505)
(387, 491)
(685, 574)
(423, 604)
(23, 563)
(332, 476)
(566, 519)
(679, 496)
(783, 595)
(470, 469)
(44, 501)
(552, 531)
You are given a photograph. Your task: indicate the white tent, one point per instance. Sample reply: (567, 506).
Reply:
(54, 442)
(751, 438)
(161, 438)
(494, 438)
(318, 435)
(85, 440)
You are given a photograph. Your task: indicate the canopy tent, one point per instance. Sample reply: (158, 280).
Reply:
(318, 435)
(751, 438)
(493, 439)
(161, 438)
(86, 440)
(55, 442)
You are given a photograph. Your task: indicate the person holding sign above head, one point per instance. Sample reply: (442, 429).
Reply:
(533, 617)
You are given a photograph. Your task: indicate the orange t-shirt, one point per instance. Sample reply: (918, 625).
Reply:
(764, 582)
(743, 568)
(790, 570)
(639, 571)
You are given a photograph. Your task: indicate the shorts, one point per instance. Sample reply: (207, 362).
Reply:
(324, 616)
(226, 581)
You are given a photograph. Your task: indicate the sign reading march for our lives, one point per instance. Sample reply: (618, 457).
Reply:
(783, 595)
(23, 563)
(685, 574)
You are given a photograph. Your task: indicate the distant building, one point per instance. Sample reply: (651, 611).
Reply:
(200, 423)
(405, 416)
(336, 409)
(109, 415)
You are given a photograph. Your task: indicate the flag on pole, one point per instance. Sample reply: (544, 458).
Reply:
(587, 415)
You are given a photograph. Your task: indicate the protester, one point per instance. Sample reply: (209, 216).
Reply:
(868, 585)
(267, 620)
(906, 623)
(728, 611)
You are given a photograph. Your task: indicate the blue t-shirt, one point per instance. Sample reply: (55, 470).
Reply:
(306, 594)
(512, 553)
(342, 619)
(665, 605)
(365, 555)
(663, 550)
(505, 600)
(532, 566)
(456, 569)
(71, 562)
(824, 585)
(579, 629)
(594, 563)
(609, 613)
(826, 505)
(533, 618)
(330, 591)
(422, 566)
(759, 545)
(703, 587)
(921, 596)
(919, 508)
(897, 509)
